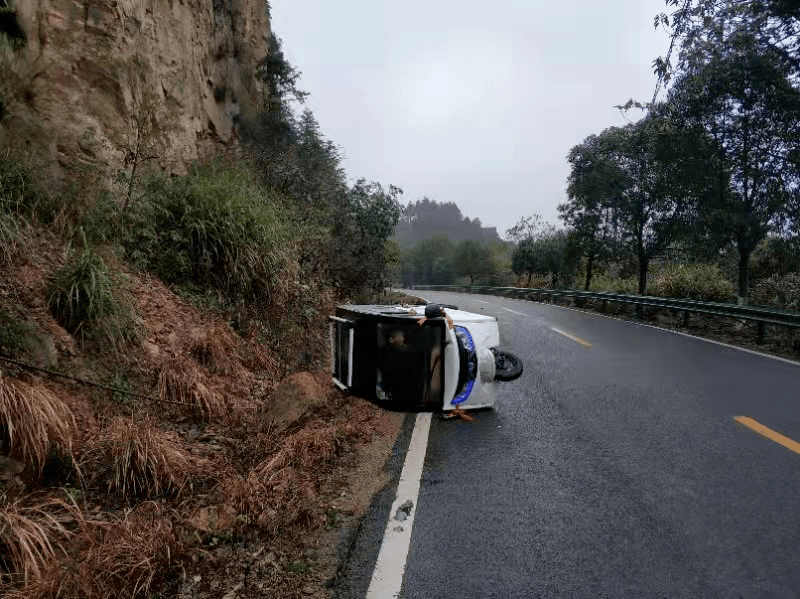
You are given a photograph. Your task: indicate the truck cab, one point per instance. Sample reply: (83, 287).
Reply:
(425, 357)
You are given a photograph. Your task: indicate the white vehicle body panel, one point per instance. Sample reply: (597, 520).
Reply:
(485, 334)
(483, 330)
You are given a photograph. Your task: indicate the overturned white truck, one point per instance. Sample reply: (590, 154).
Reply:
(419, 357)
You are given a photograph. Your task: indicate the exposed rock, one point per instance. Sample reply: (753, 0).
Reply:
(151, 349)
(295, 395)
(10, 468)
(92, 66)
(41, 348)
(215, 519)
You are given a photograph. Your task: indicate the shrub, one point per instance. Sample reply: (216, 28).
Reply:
(606, 284)
(86, 298)
(778, 291)
(137, 459)
(180, 381)
(703, 282)
(18, 194)
(119, 559)
(13, 331)
(216, 227)
(32, 419)
(10, 28)
(25, 539)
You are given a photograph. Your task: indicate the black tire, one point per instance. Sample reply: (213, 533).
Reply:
(508, 367)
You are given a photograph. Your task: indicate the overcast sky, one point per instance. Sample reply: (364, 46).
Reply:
(472, 102)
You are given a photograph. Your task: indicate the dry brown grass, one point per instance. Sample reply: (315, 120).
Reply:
(260, 358)
(308, 448)
(124, 559)
(180, 381)
(281, 490)
(25, 539)
(137, 459)
(32, 419)
(281, 501)
(215, 350)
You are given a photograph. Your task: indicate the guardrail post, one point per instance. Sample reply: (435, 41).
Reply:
(762, 332)
(686, 319)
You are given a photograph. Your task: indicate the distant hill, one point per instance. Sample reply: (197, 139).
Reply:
(427, 218)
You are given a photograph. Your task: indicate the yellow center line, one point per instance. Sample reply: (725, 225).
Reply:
(769, 433)
(575, 339)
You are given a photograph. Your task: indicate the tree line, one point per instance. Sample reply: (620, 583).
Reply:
(710, 173)
(354, 221)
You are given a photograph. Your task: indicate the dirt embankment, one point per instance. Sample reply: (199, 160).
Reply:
(202, 467)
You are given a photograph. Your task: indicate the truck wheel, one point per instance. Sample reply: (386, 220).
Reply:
(508, 367)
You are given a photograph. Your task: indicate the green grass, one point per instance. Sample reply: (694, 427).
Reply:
(19, 195)
(298, 567)
(89, 301)
(13, 331)
(9, 237)
(120, 381)
(216, 228)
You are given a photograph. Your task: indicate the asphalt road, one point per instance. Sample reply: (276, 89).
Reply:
(612, 470)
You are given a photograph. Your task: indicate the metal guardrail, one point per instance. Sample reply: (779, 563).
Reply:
(762, 315)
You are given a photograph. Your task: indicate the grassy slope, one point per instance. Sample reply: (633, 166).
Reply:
(107, 494)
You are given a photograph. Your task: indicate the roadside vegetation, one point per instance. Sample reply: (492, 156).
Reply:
(698, 199)
(150, 329)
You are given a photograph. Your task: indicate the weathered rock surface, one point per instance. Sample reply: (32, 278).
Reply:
(95, 65)
(297, 394)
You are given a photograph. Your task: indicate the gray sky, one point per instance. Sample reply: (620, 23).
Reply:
(472, 102)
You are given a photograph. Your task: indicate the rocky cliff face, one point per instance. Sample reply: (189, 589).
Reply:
(106, 78)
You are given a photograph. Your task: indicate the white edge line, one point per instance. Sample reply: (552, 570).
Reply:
(387, 578)
(512, 311)
(650, 326)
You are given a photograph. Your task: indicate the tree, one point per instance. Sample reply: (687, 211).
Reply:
(430, 262)
(150, 123)
(699, 26)
(594, 184)
(427, 218)
(743, 98)
(635, 179)
(523, 259)
(527, 227)
(474, 259)
(361, 231)
(280, 77)
(550, 253)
